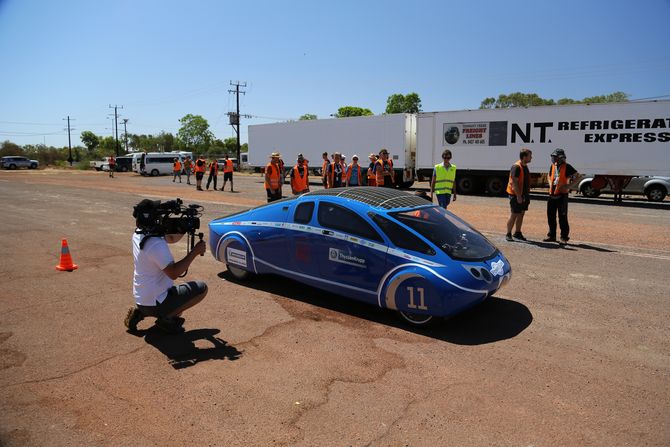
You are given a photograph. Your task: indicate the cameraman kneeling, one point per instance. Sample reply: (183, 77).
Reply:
(153, 288)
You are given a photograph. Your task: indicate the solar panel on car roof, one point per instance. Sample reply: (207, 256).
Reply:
(386, 198)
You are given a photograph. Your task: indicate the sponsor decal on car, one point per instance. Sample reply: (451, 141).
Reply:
(237, 257)
(497, 267)
(336, 255)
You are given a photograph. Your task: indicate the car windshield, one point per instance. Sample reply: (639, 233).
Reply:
(455, 237)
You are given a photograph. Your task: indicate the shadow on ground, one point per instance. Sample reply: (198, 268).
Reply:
(494, 320)
(181, 349)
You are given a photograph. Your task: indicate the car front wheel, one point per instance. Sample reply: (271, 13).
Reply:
(656, 193)
(238, 273)
(12, 166)
(33, 166)
(154, 173)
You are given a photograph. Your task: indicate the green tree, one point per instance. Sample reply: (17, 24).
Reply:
(194, 132)
(398, 103)
(90, 140)
(519, 99)
(107, 146)
(307, 116)
(612, 97)
(9, 148)
(347, 111)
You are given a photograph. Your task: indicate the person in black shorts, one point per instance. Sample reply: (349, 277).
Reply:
(518, 189)
(154, 290)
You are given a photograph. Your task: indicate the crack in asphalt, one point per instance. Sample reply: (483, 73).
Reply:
(71, 373)
(405, 410)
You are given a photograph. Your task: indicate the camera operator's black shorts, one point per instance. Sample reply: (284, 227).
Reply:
(517, 207)
(176, 297)
(227, 176)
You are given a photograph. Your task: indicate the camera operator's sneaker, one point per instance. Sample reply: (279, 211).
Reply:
(563, 241)
(133, 317)
(508, 237)
(520, 236)
(549, 239)
(170, 325)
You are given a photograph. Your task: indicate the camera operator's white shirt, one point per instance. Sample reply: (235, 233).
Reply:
(150, 283)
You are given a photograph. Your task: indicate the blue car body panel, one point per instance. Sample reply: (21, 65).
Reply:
(334, 240)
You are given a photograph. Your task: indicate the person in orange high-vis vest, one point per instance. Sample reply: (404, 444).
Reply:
(176, 170)
(324, 170)
(200, 166)
(384, 170)
(354, 177)
(272, 176)
(561, 174)
(188, 167)
(518, 190)
(371, 179)
(213, 173)
(300, 176)
(227, 173)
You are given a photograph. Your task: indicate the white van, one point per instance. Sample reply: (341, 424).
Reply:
(158, 163)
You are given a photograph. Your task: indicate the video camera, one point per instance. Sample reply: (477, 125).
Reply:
(154, 218)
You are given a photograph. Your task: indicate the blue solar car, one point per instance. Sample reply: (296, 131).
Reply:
(385, 247)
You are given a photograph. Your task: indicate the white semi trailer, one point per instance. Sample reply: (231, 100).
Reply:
(614, 142)
(357, 135)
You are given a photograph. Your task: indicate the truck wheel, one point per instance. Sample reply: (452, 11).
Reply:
(496, 186)
(466, 185)
(418, 320)
(656, 193)
(154, 173)
(589, 191)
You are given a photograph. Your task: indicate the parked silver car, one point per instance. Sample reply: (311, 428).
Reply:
(655, 188)
(17, 161)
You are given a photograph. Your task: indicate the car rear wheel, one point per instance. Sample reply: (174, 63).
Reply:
(12, 166)
(589, 191)
(238, 273)
(656, 193)
(419, 320)
(154, 173)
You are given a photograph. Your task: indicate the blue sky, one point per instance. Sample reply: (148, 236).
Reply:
(164, 59)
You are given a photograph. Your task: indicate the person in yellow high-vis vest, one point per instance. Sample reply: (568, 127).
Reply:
(442, 182)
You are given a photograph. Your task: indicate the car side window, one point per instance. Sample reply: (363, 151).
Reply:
(303, 212)
(339, 218)
(400, 237)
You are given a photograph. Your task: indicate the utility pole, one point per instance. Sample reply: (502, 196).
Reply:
(69, 140)
(235, 117)
(125, 132)
(116, 125)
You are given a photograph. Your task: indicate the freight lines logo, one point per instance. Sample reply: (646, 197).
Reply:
(493, 133)
(336, 255)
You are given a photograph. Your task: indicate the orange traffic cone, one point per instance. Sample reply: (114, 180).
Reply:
(65, 258)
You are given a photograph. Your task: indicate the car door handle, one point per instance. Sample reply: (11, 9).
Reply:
(327, 232)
